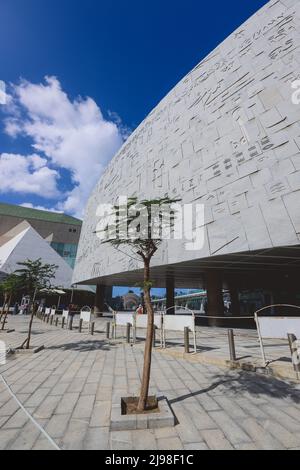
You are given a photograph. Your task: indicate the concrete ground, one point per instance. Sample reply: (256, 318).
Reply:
(68, 390)
(213, 348)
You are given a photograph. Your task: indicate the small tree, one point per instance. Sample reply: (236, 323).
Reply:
(140, 227)
(34, 276)
(8, 287)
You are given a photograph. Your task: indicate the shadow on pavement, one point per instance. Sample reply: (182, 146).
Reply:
(242, 382)
(82, 346)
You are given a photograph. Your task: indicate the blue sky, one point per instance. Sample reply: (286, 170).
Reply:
(113, 62)
(80, 76)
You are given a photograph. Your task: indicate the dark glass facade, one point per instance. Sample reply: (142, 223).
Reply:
(67, 251)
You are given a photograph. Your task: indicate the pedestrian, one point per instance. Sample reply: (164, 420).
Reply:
(140, 310)
(72, 310)
(16, 308)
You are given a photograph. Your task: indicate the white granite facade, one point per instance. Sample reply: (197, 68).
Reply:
(227, 136)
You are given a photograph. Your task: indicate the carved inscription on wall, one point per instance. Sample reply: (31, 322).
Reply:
(227, 136)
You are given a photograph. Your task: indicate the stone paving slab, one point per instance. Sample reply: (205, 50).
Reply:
(69, 388)
(212, 346)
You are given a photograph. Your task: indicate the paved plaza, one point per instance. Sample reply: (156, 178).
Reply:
(69, 387)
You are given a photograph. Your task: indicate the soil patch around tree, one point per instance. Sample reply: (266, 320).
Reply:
(129, 406)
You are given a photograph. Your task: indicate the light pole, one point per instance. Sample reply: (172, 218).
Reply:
(74, 286)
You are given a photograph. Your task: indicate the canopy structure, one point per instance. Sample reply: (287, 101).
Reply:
(53, 291)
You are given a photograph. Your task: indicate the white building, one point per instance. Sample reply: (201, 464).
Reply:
(228, 137)
(28, 244)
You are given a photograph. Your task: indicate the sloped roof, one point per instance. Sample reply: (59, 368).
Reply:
(27, 213)
(7, 249)
(30, 245)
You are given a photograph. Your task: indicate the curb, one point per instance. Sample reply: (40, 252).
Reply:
(280, 372)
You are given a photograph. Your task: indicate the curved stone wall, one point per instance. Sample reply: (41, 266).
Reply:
(227, 136)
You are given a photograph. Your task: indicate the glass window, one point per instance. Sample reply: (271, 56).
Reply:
(67, 251)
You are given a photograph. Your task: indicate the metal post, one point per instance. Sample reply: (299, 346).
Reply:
(128, 326)
(231, 345)
(63, 322)
(154, 337)
(260, 340)
(294, 352)
(187, 340)
(107, 330)
(71, 323)
(80, 325)
(72, 295)
(93, 328)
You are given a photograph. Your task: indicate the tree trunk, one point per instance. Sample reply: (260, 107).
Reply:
(27, 342)
(32, 309)
(6, 312)
(5, 298)
(148, 346)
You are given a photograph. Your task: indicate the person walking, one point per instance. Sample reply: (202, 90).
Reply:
(140, 310)
(16, 308)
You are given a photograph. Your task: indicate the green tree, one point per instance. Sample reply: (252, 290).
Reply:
(34, 276)
(139, 226)
(8, 287)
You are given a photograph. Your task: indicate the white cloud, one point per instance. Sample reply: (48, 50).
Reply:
(71, 134)
(27, 174)
(3, 97)
(40, 208)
